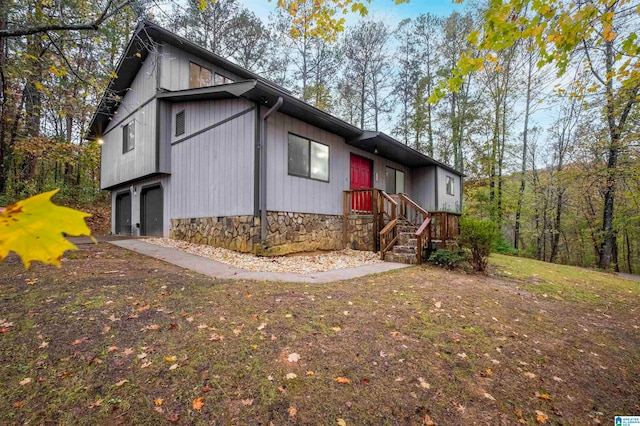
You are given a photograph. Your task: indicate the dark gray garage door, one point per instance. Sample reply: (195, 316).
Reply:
(123, 213)
(151, 214)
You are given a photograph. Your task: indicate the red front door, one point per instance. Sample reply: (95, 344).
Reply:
(361, 179)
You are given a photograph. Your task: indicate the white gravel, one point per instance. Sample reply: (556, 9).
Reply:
(297, 263)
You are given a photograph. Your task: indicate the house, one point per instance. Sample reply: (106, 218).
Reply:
(195, 147)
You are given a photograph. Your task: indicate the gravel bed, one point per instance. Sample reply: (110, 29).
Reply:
(297, 263)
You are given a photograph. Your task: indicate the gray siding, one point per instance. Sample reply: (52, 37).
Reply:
(213, 172)
(142, 89)
(297, 194)
(135, 190)
(175, 68)
(118, 167)
(445, 201)
(423, 193)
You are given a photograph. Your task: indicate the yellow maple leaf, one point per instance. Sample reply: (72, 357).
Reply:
(33, 229)
(343, 380)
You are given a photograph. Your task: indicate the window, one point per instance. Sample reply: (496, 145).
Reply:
(394, 181)
(308, 158)
(128, 137)
(198, 76)
(220, 79)
(180, 123)
(450, 182)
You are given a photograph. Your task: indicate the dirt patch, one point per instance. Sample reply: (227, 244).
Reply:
(118, 338)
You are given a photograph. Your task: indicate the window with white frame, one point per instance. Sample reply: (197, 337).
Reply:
(307, 158)
(450, 183)
(128, 137)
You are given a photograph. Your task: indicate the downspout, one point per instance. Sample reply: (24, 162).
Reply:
(263, 169)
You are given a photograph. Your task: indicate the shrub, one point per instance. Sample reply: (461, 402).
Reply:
(448, 258)
(478, 236)
(502, 246)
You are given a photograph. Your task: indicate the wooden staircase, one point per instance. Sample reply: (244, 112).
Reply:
(402, 230)
(406, 247)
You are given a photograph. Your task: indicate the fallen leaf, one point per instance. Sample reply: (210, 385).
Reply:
(343, 380)
(43, 345)
(173, 367)
(488, 396)
(530, 375)
(557, 379)
(427, 420)
(144, 308)
(216, 337)
(489, 372)
(262, 326)
(25, 381)
(291, 376)
(438, 304)
(170, 359)
(112, 349)
(153, 327)
(341, 422)
(96, 403)
(122, 382)
(143, 355)
(522, 421)
(78, 341)
(198, 403)
(127, 351)
(541, 417)
(395, 333)
(18, 404)
(543, 396)
(294, 357)
(336, 329)
(309, 373)
(247, 402)
(145, 365)
(517, 412)
(292, 412)
(423, 383)
(158, 401)
(173, 418)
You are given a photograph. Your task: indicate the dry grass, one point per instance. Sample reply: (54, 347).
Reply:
(415, 344)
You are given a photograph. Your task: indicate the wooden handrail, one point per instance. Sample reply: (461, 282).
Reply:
(389, 226)
(409, 201)
(388, 229)
(426, 225)
(388, 197)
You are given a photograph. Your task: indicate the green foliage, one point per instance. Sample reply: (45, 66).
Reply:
(478, 236)
(502, 246)
(448, 258)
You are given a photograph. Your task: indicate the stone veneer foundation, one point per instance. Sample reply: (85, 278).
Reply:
(287, 232)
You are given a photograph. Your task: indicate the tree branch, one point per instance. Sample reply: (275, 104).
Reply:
(87, 26)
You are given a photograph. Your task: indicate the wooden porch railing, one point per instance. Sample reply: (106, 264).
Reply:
(440, 226)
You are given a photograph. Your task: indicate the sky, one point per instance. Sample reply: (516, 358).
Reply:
(378, 9)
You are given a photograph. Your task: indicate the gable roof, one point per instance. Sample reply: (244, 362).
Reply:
(253, 87)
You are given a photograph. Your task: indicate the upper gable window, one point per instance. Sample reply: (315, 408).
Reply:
(450, 182)
(128, 137)
(199, 76)
(221, 79)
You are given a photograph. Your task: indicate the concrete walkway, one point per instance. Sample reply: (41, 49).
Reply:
(216, 269)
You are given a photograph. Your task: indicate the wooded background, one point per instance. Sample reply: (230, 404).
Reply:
(553, 160)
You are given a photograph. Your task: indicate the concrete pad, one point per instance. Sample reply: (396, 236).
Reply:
(216, 269)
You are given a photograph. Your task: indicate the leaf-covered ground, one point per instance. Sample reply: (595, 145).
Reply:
(118, 338)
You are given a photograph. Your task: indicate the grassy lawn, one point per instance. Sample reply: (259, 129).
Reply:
(118, 338)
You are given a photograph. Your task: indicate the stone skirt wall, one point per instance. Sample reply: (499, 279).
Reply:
(287, 232)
